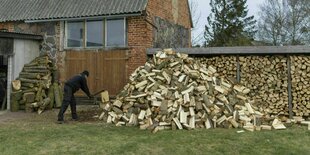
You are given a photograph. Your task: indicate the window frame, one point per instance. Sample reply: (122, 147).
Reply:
(125, 33)
(66, 35)
(104, 45)
(103, 33)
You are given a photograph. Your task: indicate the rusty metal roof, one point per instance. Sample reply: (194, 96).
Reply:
(21, 10)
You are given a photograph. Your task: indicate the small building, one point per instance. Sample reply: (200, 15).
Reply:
(107, 37)
(16, 49)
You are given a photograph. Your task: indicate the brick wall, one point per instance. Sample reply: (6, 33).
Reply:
(175, 11)
(8, 26)
(139, 39)
(143, 33)
(173, 22)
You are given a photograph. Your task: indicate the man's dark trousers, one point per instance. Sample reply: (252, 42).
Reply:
(68, 100)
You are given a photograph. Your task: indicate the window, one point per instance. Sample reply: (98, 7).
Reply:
(115, 33)
(96, 33)
(75, 34)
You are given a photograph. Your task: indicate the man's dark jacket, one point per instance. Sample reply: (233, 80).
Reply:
(77, 82)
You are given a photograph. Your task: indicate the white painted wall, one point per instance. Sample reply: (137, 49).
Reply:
(24, 52)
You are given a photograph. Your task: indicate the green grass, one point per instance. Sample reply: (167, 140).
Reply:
(99, 138)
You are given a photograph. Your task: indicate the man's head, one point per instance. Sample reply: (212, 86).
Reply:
(85, 73)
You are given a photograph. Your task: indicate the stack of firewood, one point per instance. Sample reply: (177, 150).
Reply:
(225, 65)
(266, 77)
(33, 90)
(173, 91)
(300, 72)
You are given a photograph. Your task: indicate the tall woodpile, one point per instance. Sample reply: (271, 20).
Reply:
(300, 72)
(266, 77)
(173, 91)
(225, 65)
(33, 90)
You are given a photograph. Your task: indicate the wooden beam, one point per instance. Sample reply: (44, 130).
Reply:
(289, 87)
(240, 50)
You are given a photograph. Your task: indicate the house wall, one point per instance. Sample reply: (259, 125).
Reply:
(24, 52)
(172, 24)
(139, 39)
(166, 27)
(46, 29)
(169, 35)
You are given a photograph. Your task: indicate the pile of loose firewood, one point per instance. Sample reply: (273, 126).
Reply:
(174, 91)
(300, 72)
(35, 89)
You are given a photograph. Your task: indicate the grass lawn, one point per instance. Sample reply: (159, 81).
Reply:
(37, 136)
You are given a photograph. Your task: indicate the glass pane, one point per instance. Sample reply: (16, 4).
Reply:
(115, 33)
(94, 33)
(75, 34)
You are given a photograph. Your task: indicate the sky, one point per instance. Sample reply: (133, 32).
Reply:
(203, 10)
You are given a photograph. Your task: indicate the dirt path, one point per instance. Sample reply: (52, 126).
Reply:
(85, 113)
(7, 116)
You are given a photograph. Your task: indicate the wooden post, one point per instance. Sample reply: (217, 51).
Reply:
(238, 69)
(289, 86)
(4, 101)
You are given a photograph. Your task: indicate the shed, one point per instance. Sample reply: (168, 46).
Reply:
(16, 49)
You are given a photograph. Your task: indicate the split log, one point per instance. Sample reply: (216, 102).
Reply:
(35, 67)
(39, 95)
(35, 89)
(43, 104)
(35, 82)
(36, 71)
(25, 84)
(52, 97)
(29, 97)
(16, 84)
(14, 102)
(17, 95)
(26, 75)
(105, 96)
(57, 94)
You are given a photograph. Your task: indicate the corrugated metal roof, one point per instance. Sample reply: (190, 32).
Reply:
(16, 10)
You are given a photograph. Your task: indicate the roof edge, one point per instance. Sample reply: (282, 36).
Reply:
(83, 18)
(16, 35)
(239, 50)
